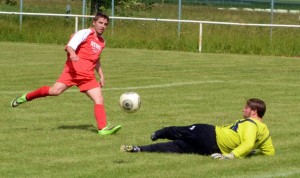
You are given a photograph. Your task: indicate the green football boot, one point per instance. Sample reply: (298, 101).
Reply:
(18, 100)
(109, 130)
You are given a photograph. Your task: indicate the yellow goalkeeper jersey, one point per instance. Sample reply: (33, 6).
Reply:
(243, 136)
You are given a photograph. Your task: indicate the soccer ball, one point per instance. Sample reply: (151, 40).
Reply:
(130, 102)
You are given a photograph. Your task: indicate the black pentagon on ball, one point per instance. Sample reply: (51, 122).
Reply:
(127, 105)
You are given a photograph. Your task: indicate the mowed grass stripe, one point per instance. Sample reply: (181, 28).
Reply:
(56, 136)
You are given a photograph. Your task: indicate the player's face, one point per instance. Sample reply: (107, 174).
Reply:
(247, 112)
(100, 25)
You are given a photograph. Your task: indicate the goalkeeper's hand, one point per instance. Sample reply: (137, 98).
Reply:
(221, 157)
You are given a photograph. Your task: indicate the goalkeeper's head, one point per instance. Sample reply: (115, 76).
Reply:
(258, 105)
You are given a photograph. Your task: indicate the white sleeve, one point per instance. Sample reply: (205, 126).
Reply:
(78, 38)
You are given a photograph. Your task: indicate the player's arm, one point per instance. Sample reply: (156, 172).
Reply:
(98, 69)
(267, 147)
(78, 38)
(247, 132)
(72, 54)
(75, 41)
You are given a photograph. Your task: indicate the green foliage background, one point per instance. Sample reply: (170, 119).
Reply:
(160, 35)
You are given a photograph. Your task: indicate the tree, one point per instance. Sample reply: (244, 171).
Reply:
(9, 2)
(96, 6)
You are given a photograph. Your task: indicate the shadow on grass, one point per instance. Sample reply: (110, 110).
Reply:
(79, 127)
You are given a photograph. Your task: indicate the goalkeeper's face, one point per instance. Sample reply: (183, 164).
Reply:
(248, 112)
(100, 25)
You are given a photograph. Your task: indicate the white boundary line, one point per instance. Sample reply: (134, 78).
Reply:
(137, 87)
(166, 85)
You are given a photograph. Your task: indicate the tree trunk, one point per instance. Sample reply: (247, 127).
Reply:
(95, 6)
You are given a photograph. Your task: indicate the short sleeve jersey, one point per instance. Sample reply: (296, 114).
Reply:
(243, 136)
(88, 47)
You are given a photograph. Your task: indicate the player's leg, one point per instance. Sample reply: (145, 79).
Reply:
(172, 133)
(100, 115)
(43, 91)
(201, 137)
(176, 146)
(57, 89)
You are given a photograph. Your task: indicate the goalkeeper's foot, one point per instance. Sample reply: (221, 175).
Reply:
(153, 136)
(18, 100)
(109, 130)
(130, 148)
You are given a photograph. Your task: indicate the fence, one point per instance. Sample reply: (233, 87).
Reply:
(161, 20)
(84, 7)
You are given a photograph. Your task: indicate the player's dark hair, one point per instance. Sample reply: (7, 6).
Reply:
(101, 15)
(258, 105)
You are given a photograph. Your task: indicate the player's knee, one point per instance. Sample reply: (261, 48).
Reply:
(55, 92)
(98, 102)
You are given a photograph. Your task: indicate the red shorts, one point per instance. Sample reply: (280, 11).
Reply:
(83, 83)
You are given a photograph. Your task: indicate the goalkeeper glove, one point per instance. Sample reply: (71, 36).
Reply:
(221, 157)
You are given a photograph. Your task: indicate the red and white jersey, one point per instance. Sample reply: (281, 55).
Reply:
(88, 47)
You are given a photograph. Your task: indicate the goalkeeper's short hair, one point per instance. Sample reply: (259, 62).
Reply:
(258, 105)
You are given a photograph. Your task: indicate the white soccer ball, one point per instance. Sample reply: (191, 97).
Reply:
(130, 102)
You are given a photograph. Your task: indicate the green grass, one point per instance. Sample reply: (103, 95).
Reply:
(55, 136)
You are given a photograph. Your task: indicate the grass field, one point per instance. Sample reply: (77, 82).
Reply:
(56, 136)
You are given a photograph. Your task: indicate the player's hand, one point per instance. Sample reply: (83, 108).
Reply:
(74, 58)
(252, 153)
(101, 82)
(221, 157)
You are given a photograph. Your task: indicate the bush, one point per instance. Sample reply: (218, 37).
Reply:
(9, 2)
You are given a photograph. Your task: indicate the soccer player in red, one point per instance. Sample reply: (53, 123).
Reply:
(83, 51)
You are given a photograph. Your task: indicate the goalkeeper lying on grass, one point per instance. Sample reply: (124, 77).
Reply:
(243, 138)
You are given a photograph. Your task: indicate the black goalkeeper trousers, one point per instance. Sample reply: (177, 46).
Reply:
(197, 138)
